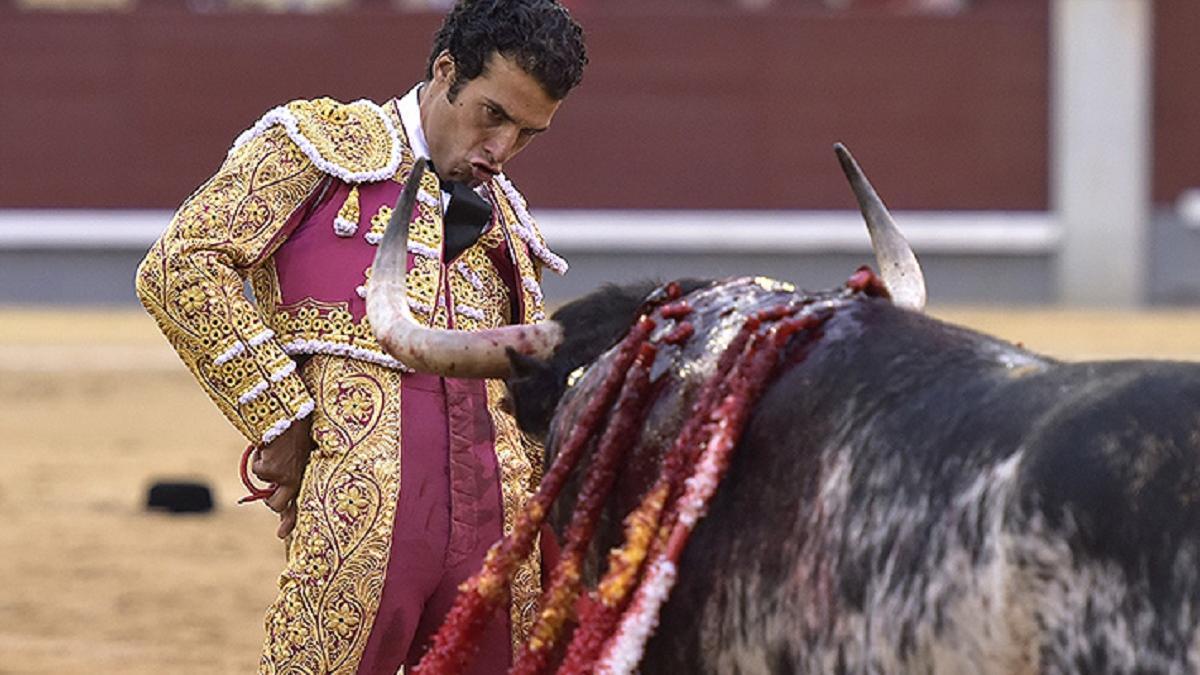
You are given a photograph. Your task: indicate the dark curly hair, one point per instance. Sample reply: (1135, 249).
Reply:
(539, 35)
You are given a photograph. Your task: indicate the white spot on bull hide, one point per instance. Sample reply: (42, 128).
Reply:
(960, 615)
(984, 595)
(1091, 612)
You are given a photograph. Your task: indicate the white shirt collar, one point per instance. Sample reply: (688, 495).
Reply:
(410, 117)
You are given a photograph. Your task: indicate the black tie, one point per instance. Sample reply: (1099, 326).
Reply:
(465, 218)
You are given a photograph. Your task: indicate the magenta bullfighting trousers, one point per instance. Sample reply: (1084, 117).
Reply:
(449, 513)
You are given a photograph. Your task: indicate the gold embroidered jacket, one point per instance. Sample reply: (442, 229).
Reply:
(297, 209)
(192, 279)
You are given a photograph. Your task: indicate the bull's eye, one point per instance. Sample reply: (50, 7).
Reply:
(575, 376)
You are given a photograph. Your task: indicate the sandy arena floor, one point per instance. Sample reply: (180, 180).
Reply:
(94, 407)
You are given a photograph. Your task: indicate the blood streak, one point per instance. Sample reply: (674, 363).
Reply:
(483, 593)
(558, 599)
(676, 310)
(622, 612)
(680, 334)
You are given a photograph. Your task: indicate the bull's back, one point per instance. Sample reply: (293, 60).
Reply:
(1109, 504)
(918, 497)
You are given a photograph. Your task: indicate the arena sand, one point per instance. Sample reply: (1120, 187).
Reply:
(94, 407)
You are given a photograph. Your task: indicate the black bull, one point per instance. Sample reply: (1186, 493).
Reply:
(913, 496)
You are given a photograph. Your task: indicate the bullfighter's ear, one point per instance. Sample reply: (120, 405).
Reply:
(524, 366)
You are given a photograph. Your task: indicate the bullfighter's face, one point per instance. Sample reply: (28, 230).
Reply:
(473, 132)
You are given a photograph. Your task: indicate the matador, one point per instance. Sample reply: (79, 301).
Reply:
(406, 479)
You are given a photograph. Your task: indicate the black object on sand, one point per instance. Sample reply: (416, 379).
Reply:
(180, 497)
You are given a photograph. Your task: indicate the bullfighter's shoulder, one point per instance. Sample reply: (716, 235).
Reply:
(356, 142)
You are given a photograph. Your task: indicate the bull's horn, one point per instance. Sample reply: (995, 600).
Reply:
(449, 353)
(897, 263)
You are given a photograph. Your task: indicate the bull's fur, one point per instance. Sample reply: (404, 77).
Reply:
(590, 327)
(915, 497)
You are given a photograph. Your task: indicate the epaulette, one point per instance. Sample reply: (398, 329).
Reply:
(355, 142)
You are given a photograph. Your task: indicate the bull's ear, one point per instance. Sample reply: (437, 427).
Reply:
(524, 367)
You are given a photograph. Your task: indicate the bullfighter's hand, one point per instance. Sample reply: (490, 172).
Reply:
(282, 462)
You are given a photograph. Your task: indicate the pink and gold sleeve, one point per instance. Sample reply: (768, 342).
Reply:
(192, 282)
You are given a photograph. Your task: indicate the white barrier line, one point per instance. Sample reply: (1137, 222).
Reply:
(724, 232)
(1000, 233)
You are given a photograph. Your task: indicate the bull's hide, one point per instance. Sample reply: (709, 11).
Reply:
(915, 497)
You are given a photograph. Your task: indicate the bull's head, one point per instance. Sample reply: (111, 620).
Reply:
(486, 353)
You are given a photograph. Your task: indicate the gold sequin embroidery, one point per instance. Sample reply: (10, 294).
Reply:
(191, 280)
(337, 557)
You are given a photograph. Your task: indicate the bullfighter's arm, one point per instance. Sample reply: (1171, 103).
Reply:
(192, 282)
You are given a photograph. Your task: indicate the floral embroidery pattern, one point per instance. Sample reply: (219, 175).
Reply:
(352, 501)
(331, 586)
(193, 299)
(342, 620)
(355, 404)
(191, 282)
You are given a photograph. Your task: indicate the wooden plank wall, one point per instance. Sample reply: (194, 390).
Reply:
(1176, 98)
(711, 108)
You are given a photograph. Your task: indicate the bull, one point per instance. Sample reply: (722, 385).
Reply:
(906, 496)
